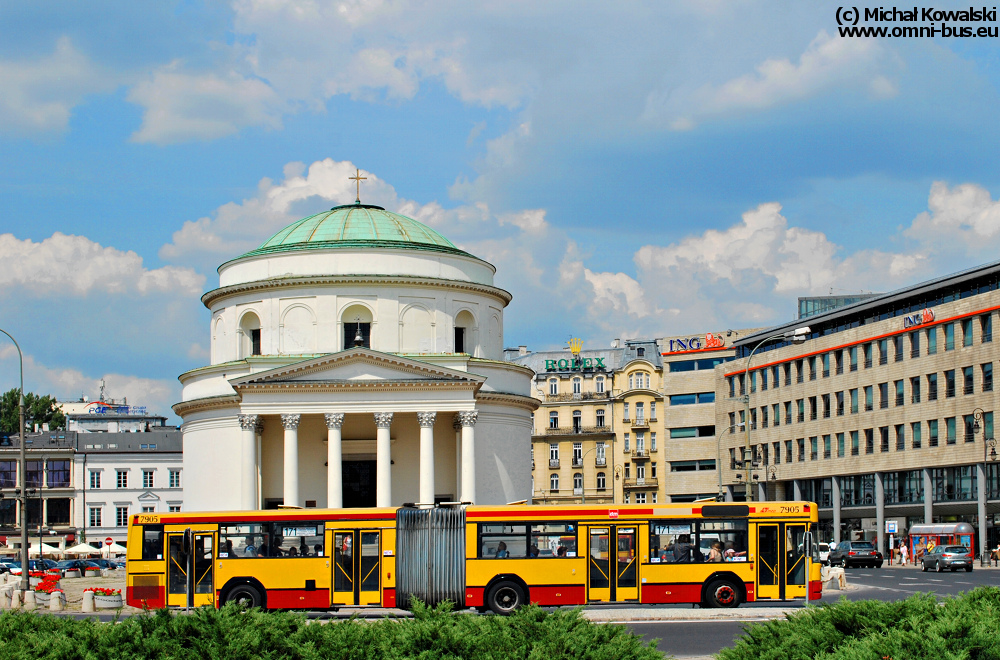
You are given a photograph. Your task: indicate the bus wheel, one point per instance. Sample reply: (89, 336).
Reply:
(722, 593)
(504, 597)
(245, 596)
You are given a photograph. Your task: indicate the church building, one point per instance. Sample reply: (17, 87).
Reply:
(356, 360)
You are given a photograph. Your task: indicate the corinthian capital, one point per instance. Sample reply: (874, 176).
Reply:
(248, 422)
(383, 420)
(468, 418)
(334, 420)
(426, 419)
(290, 422)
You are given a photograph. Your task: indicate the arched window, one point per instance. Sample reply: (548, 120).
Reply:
(250, 343)
(577, 483)
(647, 381)
(465, 333)
(631, 382)
(599, 381)
(554, 419)
(554, 482)
(601, 481)
(577, 421)
(357, 322)
(600, 416)
(640, 352)
(553, 386)
(577, 385)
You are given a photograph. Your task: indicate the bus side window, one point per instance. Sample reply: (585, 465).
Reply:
(152, 542)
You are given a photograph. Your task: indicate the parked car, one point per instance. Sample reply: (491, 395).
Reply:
(33, 565)
(78, 564)
(105, 563)
(855, 553)
(948, 556)
(824, 552)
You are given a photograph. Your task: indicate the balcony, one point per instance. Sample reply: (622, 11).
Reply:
(586, 396)
(576, 430)
(640, 453)
(601, 462)
(578, 461)
(639, 482)
(553, 463)
(640, 423)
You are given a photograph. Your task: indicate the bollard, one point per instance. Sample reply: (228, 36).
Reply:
(56, 603)
(29, 600)
(5, 598)
(88, 601)
(15, 599)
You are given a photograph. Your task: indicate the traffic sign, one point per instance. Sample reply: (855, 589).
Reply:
(108, 541)
(891, 526)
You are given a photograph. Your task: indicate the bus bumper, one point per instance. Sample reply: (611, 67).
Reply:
(815, 589)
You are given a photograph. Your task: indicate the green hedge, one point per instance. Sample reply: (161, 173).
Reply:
(206, 634)
(966, 627)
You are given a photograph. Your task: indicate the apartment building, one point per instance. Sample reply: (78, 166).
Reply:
(884, 412)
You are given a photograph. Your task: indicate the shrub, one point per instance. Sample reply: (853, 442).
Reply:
(207, 633)
(918, 627)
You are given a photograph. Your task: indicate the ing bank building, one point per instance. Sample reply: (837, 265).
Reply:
(356, 360)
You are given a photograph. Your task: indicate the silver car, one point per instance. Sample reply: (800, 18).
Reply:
(948, 556)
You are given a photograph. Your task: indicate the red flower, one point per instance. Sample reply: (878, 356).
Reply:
(102, 591)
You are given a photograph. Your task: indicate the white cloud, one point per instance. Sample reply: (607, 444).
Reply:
(179, 107)
(827, 63)
(69, 384)
(963, 218)
(38, 96)
(75, 265)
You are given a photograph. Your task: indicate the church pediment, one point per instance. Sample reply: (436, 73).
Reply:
(357, 367)
(149, 497)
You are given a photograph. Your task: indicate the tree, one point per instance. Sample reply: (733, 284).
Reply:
(37, 410)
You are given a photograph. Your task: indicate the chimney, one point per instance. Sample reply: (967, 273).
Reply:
(522, 350)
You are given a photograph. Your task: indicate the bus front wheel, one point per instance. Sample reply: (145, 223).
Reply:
(722, 593)
(245, 596)
(505, 596)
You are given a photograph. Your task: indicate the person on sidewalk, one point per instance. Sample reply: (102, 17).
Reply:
(902, 553)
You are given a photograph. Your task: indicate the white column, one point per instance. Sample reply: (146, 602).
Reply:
(248, 493)
(468, 422)
(383, 460)
(836, 509)
(458, 457)
(928, 497)
(426, 420)
(880, 512)
(291, 482)
(258, 440)
(334, 456)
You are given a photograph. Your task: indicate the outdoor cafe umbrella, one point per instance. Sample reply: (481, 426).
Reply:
(46, 549)
(82, 549)
(114, 548)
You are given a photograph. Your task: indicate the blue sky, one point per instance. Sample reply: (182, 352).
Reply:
(641, 169)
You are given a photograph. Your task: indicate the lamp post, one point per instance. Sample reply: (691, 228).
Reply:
(989, 454)
(718, 458)
(22, 470)
(583, 460)
(797, 336)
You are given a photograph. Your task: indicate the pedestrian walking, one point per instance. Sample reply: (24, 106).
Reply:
(902, 553)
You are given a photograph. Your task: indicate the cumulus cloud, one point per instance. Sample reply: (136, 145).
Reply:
(964, 217)
(827, 63)
(38, 96)
(179, 106)
(63, 264)
(70, 384)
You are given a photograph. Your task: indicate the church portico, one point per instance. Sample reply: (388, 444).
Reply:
(355, 362)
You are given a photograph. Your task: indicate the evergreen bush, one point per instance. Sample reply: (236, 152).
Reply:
(206, 634)
(964, 627)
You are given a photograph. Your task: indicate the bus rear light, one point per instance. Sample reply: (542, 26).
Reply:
(852, 553)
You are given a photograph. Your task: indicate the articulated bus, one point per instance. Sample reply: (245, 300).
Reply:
(485, 557)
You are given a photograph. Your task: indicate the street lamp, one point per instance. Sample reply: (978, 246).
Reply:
(989, 454)
(22, 469)
(797, 336)
(583, 459)
(718, 458)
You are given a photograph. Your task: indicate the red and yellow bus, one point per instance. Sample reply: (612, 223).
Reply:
(487, 557)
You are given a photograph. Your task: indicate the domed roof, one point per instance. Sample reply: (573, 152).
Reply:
(355, 226)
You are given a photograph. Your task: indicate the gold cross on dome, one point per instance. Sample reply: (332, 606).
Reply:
(357, 177)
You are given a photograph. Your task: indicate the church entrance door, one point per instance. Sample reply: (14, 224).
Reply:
(359, 484)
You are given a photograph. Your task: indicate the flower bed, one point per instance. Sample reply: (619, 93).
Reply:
(106, 598)
(47, 586)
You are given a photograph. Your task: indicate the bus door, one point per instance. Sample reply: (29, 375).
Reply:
(356, 567)
(190, 568)
(612, 563)
(782, 559)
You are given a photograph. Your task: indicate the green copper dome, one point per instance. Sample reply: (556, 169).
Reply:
(355, 226)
